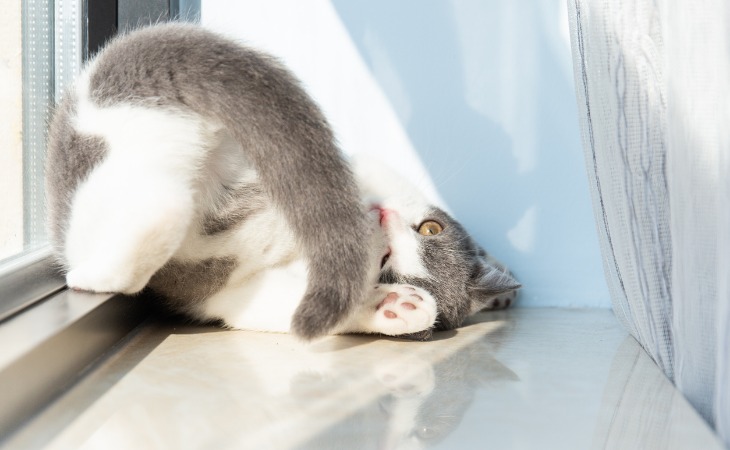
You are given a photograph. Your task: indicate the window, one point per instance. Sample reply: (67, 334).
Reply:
(36, 58)
(44, 45)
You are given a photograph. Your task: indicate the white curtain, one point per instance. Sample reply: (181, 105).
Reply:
(653, 88)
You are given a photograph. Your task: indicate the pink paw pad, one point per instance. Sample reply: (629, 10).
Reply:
(393, 297)
(390, 298)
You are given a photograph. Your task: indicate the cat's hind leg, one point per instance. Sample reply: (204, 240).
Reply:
(393, 310)
(120, 235)
(134, 210)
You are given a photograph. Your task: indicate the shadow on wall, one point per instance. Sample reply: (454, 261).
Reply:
(485, 92)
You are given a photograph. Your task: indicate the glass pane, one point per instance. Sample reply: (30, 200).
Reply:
(37, 101)
(40, 55)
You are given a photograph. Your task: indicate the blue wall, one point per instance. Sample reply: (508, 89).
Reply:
(484, 90)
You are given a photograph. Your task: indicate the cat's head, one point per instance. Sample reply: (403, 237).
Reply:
(422, 245)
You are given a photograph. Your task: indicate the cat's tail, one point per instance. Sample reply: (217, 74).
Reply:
(285, 137)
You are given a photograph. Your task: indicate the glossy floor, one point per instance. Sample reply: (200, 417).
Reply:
(526, 378)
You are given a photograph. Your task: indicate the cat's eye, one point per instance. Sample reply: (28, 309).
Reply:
(430, 228)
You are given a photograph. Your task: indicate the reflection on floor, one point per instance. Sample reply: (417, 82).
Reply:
(526, 378)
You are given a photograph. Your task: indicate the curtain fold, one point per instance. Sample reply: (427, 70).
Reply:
(653, 90)
(621, 105)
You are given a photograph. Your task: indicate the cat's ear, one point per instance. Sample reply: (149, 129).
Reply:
(489, 282)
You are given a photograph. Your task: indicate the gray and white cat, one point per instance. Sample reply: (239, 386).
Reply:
(188, 163)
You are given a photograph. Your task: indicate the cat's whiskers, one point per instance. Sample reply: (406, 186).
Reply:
(438, 177)
(456, 169)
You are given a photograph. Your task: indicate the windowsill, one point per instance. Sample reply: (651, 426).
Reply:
(524, 378)
(48, 346)
(27, 279)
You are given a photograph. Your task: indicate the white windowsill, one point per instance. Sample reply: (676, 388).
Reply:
(525, 378)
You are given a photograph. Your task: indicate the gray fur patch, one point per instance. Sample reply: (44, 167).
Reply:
(185, 285)
(70, 158)
(238, 204)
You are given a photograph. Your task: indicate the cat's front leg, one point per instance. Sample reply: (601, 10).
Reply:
(395, 310)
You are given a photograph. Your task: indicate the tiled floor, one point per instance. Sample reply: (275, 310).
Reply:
(526, 378)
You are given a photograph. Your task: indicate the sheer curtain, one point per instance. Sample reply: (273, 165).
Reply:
(653, 88)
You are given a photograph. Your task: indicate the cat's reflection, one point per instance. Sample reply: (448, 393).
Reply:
(207, 388)
(422, 403)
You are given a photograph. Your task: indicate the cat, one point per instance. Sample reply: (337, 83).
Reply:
(195, 166)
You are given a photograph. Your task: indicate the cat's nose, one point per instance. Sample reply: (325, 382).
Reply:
(385, 215)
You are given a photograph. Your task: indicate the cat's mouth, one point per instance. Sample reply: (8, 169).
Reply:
(385, 259)
(379, 216)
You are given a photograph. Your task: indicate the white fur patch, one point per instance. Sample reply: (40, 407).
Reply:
(404, 244)
(263, 302)
(134, 210)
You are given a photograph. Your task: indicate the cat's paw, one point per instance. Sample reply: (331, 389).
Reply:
(94, 279)
(403, 309)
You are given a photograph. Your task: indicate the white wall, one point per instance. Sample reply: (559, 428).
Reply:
(472, 99)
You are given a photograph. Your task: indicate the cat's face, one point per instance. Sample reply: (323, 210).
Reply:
(422, 245)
